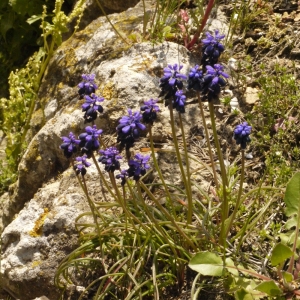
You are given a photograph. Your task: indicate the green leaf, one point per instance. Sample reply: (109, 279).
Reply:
(242, 294)
(270, 288)
(292, 222)
(288, 277)
(33, 19)
(207, 263)
(233, 270)
(280, 253)
(292, 195)
(289, 238)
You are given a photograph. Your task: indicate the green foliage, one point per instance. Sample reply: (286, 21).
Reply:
(207, 263)
(280, 253)
(16, 111)
(292, 196)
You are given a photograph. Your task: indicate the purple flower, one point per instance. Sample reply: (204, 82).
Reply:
(195, 79)
(179, 101)
(87, 86)
(123, 175)
(69, 145)
(81, 165)
(109, 157)
(89, 140)
(213, 80)
(138, 166)
(171, 81)
(150, 109)
(241, 134)
(212, 48)
(129, 128)
(91, 107)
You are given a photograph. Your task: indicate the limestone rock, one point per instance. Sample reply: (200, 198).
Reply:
(251, 95)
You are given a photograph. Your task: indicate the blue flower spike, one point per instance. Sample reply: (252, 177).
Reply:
(195, 79)
(89, 140)
(91, 107)
(110, 158)
(212, 48)
(171, 81)
(138, 166)
(150, 109)
(213, 80)
(129, 129)
(179, 101)
(81, 165)
(242, 134)
(87, 86)
(123, 176)
(69, 145)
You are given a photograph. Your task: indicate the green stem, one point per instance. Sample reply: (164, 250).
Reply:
(184, 179)
(189, 187)
(238, 201)
(208, 141)
(111, 24)
(103, 178)
(166, 213)
(225, 204)
(157, 168)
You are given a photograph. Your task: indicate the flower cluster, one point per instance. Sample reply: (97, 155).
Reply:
(129, 128)
(241, 134)
(128, 131)
(171, 83)
(211, 48)
(210, 77)
(137, 168)
(110, 158)
(150, 109)
(81, 165)
(92, 106)
(69, 145)
(87, 86)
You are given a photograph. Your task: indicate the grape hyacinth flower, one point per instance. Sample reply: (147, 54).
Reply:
(81, 165)
(87, 86)
(212, 48)
(195, 79)
(150, 109)
(91, 107)
(138, 166)
(123, 175)
(179, 101)
(69, 145)
(213, 81)
(110, 158)
(89, 141)
(241, 134)
(171, 81)
(129, 128)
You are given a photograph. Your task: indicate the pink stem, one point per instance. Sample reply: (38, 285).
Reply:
(203, 23)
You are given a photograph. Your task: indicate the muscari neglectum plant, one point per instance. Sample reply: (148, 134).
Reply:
(150, 241)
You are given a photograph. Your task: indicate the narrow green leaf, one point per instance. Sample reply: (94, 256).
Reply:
(270, 288)
(33, 19)
(280, 253)
(207, 263)
(292, 195)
